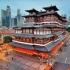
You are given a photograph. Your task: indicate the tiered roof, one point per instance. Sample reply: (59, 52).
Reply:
(51, 7)
(45, 48)
(42, 13)
(32, 10)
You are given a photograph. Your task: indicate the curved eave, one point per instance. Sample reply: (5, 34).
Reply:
(32, 10)
(33, 35)
(29, 16)
(47, 13)
(51, 7)
(45, 48)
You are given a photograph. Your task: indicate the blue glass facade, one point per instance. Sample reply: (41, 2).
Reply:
(6, 17)
(8, 21)
(18, 17)
(15, 21)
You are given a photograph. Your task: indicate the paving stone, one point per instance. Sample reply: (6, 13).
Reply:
(24, 61)
(35, 65)
(25, 66)
(29, 63)
(30, 68)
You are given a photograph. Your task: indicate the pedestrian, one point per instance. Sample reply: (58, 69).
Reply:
(39, 58)
(12, 58)
(7, 67)
(47, 62)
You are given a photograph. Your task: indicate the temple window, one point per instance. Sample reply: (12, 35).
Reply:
(48, 18)
(44, 19)
(27, 39)
(18, 38)
(16, 31)
(37, 31)
(27, 30)
(34, 31)
(41, 40)
(52, 10)
(23, 30)
(35, 40)
(41, 32)
(30, 30)
(44, 40)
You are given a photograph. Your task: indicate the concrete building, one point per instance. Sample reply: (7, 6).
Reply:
(18, 15)
(13, 22)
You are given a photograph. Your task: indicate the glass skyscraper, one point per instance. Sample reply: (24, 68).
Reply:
(6, 17)
(18, 15)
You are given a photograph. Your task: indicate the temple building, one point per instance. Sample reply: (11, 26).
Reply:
(43, 33)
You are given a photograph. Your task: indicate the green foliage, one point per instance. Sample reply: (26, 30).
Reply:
(7, 39)
(68, 29)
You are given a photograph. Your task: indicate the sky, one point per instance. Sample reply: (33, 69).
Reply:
(62, 5)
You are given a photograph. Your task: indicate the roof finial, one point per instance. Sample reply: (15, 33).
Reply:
(33, 7)
(51, 4)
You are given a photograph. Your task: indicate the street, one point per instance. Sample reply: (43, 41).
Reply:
(64, 57)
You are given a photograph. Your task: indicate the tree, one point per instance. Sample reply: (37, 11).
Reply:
(68, 29)
(7, 39)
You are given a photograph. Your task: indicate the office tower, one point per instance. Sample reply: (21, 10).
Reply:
(6, 17)
(13, 22)
(18, 15)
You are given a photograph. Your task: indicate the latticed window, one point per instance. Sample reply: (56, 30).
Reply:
(30, 30)
(48, 18)
(35, 40)
(41, 40)
(18, 38)
(23, 30)
(27, 39)
(44, 19)
(45, 40)
(27, 30)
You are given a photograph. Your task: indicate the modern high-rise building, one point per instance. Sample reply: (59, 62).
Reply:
(13, 22)
(0, 23)
(6, 17)
(18, 15)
